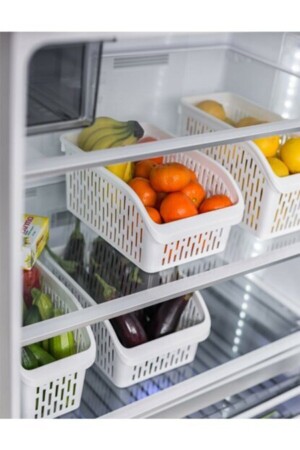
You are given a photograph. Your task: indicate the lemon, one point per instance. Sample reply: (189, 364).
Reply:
(279, 168)
(230, 121)
(248, 121)
(212, 107)
(290, 154)
(268, 145)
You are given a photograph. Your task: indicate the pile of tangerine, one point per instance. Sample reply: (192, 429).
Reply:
(171, 191)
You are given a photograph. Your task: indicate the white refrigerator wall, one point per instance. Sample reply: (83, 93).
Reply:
(146, 86)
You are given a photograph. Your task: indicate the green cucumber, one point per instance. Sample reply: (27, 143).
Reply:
(32, 316)
(45, 345)
(41, 355)
(29, 361)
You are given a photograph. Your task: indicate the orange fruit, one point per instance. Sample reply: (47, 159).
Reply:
(177, 205)
(214, 202)
(147, 139)
(143, 189)
(154, 214)
(169, 177)
(193, 176)
(159, 198)
(158, 159)
(143, 168)
(195, 192)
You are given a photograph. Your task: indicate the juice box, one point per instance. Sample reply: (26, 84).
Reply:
(35, 232)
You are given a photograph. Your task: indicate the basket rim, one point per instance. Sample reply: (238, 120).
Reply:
(281, 184)
(74, 363)
(169, 232)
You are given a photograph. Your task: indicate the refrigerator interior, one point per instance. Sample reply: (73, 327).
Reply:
(147, 86)
(144, 81)
(244, 318)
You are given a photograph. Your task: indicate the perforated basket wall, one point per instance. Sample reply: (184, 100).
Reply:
(113, 210)
(55, 389)
(127, 366)
(272, 204)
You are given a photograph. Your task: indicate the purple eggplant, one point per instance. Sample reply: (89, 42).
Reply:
(167, 317)
(150, 312)
(128, 327)
(74, 250)
(129, 330)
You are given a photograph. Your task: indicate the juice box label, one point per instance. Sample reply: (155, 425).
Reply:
(35, 233)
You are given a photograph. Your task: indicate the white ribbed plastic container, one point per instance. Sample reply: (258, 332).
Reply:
(272, 204)
(127, 366)
(113, 210)
(56, 388)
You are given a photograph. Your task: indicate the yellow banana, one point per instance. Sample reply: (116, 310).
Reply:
(94, 137)
(110, 140)
(123, 170)
(130, 140)
(100, 123)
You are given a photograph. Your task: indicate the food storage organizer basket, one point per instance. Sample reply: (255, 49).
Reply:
(114, 211)
(272, 204)
(55, 389)
(127, 366)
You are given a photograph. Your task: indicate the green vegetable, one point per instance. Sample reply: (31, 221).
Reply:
(109, 292)
(45, 344)
(70, 267)
(63, 345)
(29, 361)
(40, 354)
(43, 302)
(32, 315)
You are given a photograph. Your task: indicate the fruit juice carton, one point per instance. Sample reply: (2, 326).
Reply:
(35, 234)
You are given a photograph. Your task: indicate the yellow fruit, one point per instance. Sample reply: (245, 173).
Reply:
(122, 170)
(248, 121)
(278, 167)
(290, 154)
(268, 145)
(212, 107)
(230, 121)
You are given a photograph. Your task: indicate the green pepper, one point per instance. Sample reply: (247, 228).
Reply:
(43, 302)
(63, 345)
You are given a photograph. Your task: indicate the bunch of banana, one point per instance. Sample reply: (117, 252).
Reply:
(107, 133)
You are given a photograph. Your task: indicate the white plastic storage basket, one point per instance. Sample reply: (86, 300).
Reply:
(127, 366)
(56, 388)
(272, 204)
(113, 210)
